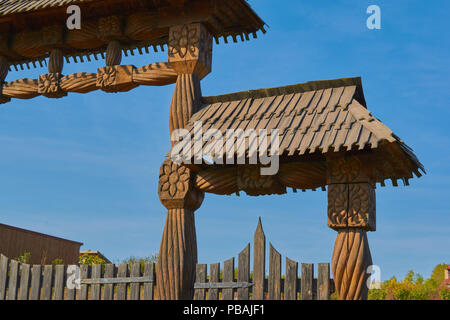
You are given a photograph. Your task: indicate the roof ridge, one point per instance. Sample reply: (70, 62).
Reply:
(295, 88)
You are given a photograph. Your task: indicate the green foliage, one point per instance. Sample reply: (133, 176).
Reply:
(413, 287)
(57, 261)
(90, 259)
(141, 260)
(24, 257)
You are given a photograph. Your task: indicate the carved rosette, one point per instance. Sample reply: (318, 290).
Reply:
(176, 187)
(49, 85)
(345, 170)
(337, 205)
(190, 49)
(115, 78)
(109, 28)
(250, 180)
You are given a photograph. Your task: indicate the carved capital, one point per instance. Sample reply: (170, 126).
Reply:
(115, 78)
(176, 187)
(190, 49)
(250, 180)
(49, 85)
(352, 206)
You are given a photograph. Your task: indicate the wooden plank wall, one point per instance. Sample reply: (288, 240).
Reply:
(20, 281)
(259, 287)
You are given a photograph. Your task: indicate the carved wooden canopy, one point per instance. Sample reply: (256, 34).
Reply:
(30, 29)
(317, 121)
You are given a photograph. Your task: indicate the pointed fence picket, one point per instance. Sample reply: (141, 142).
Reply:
(258, 286)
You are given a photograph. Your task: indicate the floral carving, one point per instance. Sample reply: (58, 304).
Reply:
(337, 205)
(351, 206)
(174, 179)
(109, 26)
(184, 39)
(48, 85)
(344, 170)
(106, 76)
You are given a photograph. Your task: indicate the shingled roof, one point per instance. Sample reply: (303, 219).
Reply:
(28, 28)
(313, 118)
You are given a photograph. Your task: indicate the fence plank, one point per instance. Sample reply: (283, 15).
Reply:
(228, 276)
(95, 288)
(135, 288)
(59, 282)
(149, 271)
(274, 274)
(84, 274)
(108, 289)
(290, 282)
(24, 281)
(200, 277)
(122, 272)
(307, 281)
(47, 282)
(259, 262)
(324, 281)
(71, 293)
(13, 280)
(36, 273)
(4, 263)
(214, 275)
(244, 272)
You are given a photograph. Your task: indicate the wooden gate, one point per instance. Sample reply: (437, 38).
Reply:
(224, 285)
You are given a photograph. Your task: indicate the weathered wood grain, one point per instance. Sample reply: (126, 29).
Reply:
(47, 282)
(4, 263)
(121, 288)
(274, 274)
(108, 290)
(228, 276)
(85, 271)
(13, 282)
(214, 274)
(36, 275)
(290, 282)
(244, 272)
(95, 288)
(200, 277)
(259, 263)
(307, 281)
(59, 282)
(149, 271)
(323, 285)
(135, 288)
(24, 281)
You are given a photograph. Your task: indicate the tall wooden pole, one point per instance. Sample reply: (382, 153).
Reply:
(190, 50)
(351, 212)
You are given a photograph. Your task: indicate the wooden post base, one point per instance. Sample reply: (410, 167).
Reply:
(351, 258)
(177, 256)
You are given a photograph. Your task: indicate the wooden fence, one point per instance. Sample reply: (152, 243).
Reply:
(19, 281)
(223, 285)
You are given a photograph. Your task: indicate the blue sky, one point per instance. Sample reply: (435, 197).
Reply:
(85, 167)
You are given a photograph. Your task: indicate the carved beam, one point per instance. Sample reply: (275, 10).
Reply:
(351, 212)
(178, 252)
(49, 85)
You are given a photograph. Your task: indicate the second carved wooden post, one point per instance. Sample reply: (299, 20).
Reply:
(351, 212)
(190, 51)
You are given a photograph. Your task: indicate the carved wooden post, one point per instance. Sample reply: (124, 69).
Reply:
(190, 48)
(351, 212)
(49, 84)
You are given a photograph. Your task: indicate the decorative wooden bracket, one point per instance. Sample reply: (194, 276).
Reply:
(351, 212)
